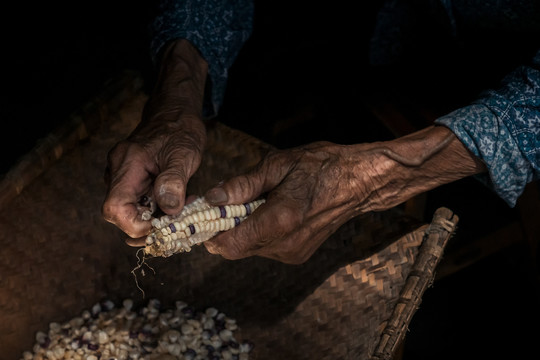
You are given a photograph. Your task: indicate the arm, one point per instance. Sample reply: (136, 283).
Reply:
(217, 28)
(503, 129)
(193, 44)
(315, 189)
(165, 149)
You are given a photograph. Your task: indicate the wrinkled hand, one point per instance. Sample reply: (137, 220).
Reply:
(157, 165)
(165, 150)
(312, 190)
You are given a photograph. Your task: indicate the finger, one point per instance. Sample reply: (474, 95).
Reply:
(279, 231)
(170, 185)
(233, 247)
(260, 232)
(247, 187)
(120, 208)
(191, 198)
(138, 242)
(170, 190)
(229, 246)
(141, 241)
(128, 183)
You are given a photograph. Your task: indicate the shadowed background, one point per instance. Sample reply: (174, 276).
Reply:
(285, 89)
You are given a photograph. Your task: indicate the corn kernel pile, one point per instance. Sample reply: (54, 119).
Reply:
(107, 332)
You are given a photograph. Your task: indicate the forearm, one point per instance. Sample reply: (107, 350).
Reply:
(414, 164)
(175, 103)
(180, 83)
(217, 28)
(165, 150)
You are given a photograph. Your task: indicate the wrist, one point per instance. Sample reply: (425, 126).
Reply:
(175, 104)
(413, 164)
(180, 84)
(436, 156)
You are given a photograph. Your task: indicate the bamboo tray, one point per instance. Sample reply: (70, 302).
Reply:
(352, 300)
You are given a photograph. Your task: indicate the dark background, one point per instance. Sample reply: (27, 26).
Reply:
(295, 83)
(56, 56)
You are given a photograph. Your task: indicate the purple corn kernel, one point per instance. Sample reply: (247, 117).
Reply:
(248, 208)
(172, 227)
(222, 211)
(93, 347)
(192, 229)
(45, 343)
(236, 221)
(189, 354)
(188, 311)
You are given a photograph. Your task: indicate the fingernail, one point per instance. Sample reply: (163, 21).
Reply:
(216, 196)
(169, 201)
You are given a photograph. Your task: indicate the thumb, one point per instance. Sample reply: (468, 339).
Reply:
(170, 190)
(247, 187)
(170, 185)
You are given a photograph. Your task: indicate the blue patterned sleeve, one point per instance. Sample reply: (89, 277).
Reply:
(217, 28)
(502, 128)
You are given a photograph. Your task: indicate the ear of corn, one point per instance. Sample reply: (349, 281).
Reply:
(198, 222)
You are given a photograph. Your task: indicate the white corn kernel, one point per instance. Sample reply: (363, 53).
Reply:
(196, 223)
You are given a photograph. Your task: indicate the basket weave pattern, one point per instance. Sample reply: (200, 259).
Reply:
(351, 300)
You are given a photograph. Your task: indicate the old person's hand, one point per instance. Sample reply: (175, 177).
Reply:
(312, 190)
(164, 151)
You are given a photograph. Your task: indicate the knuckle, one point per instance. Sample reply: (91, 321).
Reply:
(299, 245)
(287, 219)
(211, 247)
(107, 214)
(120, 149)
(109, 211)
(126, 154)
(291, 252)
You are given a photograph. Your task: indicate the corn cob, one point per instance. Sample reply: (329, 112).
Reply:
(198, 222)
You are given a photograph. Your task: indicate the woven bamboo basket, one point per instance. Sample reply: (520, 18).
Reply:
(352, 300)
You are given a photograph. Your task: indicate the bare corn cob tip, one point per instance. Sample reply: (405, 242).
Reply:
(198, 222)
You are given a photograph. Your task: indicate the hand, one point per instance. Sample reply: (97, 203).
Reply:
(165, 150)
(313, 190)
